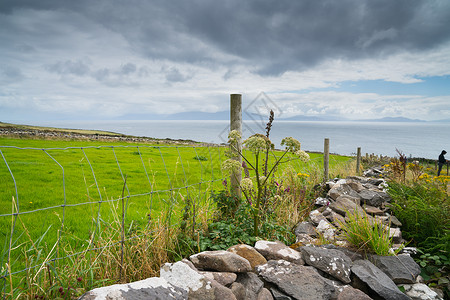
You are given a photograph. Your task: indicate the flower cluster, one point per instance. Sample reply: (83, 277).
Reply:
(262, 179)
(302, 155)
(247, 184)
(230, 166)
(258, 143)
(234, 137)
(302, 175)
(292, 145)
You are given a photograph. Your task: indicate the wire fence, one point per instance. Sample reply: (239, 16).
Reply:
(52, 197)
(56, 194)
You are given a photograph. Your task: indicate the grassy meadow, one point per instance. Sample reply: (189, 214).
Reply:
(70, 191)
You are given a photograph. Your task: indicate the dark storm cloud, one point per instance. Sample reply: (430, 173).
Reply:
(266, 37)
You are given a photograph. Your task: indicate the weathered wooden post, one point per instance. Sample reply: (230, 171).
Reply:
(236, 124)
(358, 160)
(326, 159)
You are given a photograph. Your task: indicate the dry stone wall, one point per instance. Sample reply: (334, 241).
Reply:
(272, 270)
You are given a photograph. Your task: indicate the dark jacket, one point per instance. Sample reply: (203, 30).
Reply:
(442, 158)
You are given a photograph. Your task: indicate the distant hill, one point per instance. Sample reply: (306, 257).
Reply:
(312, 118)
(392, 119)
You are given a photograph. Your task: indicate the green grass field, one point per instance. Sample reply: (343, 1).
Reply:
(68, 189)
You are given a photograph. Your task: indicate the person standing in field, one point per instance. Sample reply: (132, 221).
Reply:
(441, 161)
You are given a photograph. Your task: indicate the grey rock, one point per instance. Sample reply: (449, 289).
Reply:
(330, 261)
(264, 295)
(374, 198)
(349, 253)
(305, 228)
(377, 280)
(278, 250)
(322, 201)
(327, 230)
(197, 285)
(345, 204)
(150, 288)
(316, 216)
(396, 235)
(342, 190)
(305, 239)
(355, 185)
(238, 290)
(400, 268)
(373, 210)
(376, 181)
(373, 172)
(252, 285)
(297, 281)
(222, 261)
(350, 293)
(279, 295)
(224, 278)
(336, 219)
(392, 221)
(420, 291)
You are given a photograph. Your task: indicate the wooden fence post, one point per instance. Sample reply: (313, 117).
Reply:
(326, 159)
(358, 160)
(236, 124)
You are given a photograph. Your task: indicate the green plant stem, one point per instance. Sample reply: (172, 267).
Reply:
(258, 198)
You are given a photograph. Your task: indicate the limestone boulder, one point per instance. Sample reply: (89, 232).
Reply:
(297, 281)
(344, 204)
(195, 284)
(330, 261)
(278, 250)
(150, 288)
(306, 228)
(420, 291)
(343, 189)
(221, 261)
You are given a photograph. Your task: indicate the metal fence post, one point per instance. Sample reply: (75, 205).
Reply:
(326, 159)
(236, 124)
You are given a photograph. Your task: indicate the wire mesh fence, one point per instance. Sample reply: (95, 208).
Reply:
(53, 197)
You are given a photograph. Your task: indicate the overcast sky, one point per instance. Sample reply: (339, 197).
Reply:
(109, 59)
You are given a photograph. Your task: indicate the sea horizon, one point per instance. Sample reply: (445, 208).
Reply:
(414, 139)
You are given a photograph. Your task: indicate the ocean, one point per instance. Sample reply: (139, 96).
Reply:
(416, 139)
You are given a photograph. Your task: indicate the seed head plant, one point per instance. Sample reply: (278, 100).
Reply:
(259, 147)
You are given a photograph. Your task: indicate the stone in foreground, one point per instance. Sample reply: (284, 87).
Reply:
(221, 261)
(278, 250)
(401, 268)
(377, 280)
(297, 281)
(331, 261)
(150, 288)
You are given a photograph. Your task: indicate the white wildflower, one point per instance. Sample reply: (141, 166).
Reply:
(292, 145)
(230, 166)
(247, 184)
(234, 137)
(262, 179)
(257, 143)
(302, 155)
